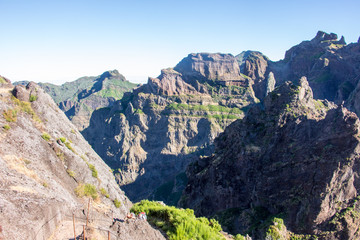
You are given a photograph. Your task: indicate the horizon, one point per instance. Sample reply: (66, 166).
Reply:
(58, 42)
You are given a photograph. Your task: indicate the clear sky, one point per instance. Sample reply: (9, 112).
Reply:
(61, 40)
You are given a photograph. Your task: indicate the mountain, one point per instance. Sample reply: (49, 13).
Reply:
(48, 172)
(292, 163)
(152, 134)
(78, 99)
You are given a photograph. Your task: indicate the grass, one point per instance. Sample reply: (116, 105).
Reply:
(179, 223)
(46, 136)
(10, 115)
(87, 190)
(6, 127)
(94, 172)
(32, 98)
(2, 80)
(104, 192)
(68, 145)
(117, 203)
(207, 108)
(26, 107)
(71, 173)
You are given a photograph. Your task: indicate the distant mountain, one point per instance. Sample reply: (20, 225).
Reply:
(152, 134)
(78, 99)
(48, 172)
(288, 170)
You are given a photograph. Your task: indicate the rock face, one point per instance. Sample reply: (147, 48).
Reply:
(80, 98)
(46, 166)
(152, 134)
(293, 157)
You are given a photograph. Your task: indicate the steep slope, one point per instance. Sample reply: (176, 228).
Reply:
(78, 99)
(151, 135)
(294, 157)
(47, 170)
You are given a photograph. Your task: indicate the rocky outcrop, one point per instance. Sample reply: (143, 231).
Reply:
(47, 170)
(296, 158)
(152, 134)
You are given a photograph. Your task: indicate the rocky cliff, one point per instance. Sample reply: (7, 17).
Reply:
(48, 172)
(152, 134)
(78, 99)
(293, 158)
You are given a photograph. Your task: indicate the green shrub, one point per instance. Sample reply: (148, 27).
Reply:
(104, 192)
(94, 172)
(87, 190)
(71, 173)
(117, 203)
(32, 98)
(6, 127)
(10, 115)
(68, 145)
(62, 139)
(179, 223)
(46, 136)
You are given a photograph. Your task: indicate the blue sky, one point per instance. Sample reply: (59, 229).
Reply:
(58, 41)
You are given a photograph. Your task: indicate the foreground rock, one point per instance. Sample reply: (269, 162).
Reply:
(295, 158)
(47, 170)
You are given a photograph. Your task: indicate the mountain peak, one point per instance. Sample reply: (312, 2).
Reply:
(323, 36)
(111, 74)
(215, 66)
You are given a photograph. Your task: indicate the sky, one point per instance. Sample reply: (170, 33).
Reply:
(59, 41)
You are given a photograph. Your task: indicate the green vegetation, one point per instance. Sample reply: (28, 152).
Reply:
(274, 230)
(104, 192)
(10, 115)
(93, 170)
(117, 203)
(87, 190)
(138, 111)
(32, 98)
(73, 131)
(207, 108)
(62, 139)
(71, 173)
(68, 145)
(179, 223)
(6, 127)
(45, 184)
(2, 80)
(46, 136)
(25, 107)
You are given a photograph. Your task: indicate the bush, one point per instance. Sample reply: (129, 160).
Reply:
(62, 139)
(117, 203)
(10, 115)
(94, 172)
(179, 223)
(32, 98)
(104, 192)
(46, 136)
(6, 127)
(71, 173)
(87, 190)
(68, 145)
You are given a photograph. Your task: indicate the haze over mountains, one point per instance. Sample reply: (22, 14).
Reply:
(271, 149)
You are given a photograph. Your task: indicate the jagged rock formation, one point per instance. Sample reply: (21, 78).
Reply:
(78, 99)
(45, 167)
(151, 135)
(293, 157)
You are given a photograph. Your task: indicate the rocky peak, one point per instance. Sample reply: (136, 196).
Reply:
(111, 74)
(213, 66)
(323, 36)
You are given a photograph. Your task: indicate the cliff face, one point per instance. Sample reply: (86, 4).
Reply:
(47, 170)
(151, 135)
(296, 158)
(78, 99)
